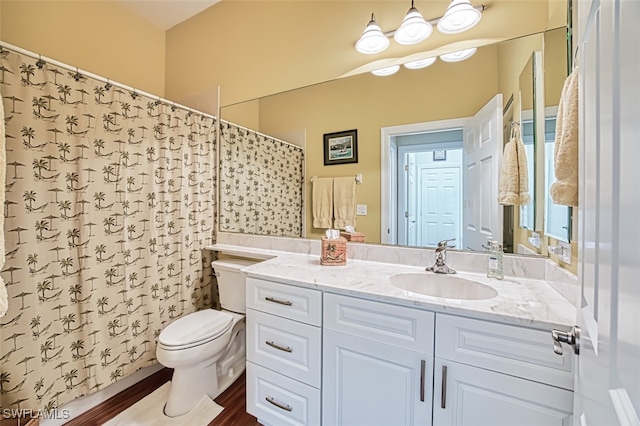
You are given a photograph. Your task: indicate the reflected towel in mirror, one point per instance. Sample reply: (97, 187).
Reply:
(322, 202)
(513, 184)
(344, 201)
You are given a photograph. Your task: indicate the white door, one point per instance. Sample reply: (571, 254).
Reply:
(368, 383)
(439, 204)
(411, 193)
(482, 158)
(474, 396)
(608, 374)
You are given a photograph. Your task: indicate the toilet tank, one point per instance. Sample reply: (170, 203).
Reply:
(231, 283)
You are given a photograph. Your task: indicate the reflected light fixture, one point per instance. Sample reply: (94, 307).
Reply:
(420, 63)
(460, 16)
(373, 39)
(413, 29)
(383, 72)
(458, 56)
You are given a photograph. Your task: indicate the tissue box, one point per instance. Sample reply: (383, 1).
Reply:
(356, 237)
(334, 252)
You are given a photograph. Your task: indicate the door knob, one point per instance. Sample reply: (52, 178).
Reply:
(571, 337)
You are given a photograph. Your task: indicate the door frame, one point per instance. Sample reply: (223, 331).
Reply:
(388, 170)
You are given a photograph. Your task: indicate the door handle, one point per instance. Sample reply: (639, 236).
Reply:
(571, 337)
(443, 390)
(423, 367)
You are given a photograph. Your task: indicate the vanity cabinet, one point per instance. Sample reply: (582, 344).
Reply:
(496, 374)
(283, 353)
(315, 357)
(378, 363)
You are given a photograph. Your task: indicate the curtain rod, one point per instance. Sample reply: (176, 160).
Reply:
(124, 86)
(222, 120)
(100, 78)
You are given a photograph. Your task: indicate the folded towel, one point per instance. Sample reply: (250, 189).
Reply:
(565, 151)
(344, 201)
(322, 202)
(4, 300)
(513, 183)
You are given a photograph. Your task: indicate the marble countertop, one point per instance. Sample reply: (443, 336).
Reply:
(520, 301)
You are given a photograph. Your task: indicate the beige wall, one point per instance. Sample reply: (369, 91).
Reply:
(367, 103)
(98, 36)
(258, 48)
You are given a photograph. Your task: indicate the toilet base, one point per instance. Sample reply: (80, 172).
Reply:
(211, 378)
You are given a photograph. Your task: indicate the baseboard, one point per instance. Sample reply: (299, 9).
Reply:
(83, 404)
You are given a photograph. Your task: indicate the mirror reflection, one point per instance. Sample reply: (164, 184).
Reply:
(449, 94)
(527, 124)
(557, 218)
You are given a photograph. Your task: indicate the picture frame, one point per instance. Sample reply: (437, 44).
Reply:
(440, 155)
(341, 147)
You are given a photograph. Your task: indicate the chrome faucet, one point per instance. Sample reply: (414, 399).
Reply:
(440, 267)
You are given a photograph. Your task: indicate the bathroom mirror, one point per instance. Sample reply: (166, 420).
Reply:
(557, 218)
(440, 92)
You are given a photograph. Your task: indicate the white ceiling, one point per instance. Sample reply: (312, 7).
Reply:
(165, 14)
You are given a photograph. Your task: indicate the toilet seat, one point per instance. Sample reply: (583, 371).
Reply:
(195, 329)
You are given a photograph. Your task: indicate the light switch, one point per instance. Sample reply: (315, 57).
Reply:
(361, 209)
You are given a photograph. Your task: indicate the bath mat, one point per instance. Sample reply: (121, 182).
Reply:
(148, 412)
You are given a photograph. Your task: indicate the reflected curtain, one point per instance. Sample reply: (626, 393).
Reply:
(110, 200)
(260, 183)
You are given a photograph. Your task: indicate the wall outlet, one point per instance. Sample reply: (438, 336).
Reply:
(361, 209)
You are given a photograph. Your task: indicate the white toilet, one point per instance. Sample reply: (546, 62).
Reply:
(207, 349)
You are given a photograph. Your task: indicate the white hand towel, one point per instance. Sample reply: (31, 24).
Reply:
(4, 300)
(565, 151)
(513, 184)
(344, 201)
(322, 202)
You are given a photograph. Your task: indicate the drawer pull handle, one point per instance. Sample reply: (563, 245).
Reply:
(277, 404)
(277, 346)
(423, 365)
(443, 394)
(278, 301)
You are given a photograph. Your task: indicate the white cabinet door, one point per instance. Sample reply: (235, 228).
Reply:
(465, 395)
(367, 383)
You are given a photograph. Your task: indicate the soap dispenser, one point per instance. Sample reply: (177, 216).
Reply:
(494, 261)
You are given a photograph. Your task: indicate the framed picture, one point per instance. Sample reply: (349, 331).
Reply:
(440, 155)
(341, 147)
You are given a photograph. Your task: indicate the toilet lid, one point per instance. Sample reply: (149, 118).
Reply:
(196, 327)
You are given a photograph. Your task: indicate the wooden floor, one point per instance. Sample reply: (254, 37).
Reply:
(233, 401)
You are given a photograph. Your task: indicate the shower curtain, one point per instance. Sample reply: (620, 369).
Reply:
(261, 181)
(110, 200)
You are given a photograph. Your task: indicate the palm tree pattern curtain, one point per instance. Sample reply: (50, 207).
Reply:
(260, 184)
(110, 200)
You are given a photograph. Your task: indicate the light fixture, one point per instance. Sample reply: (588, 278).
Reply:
(413, 29)
(458, 56)
(460, 16)
(373, 39)
(420, 63)
(383, 72)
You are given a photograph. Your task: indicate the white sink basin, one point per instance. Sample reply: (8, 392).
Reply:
(441, 285)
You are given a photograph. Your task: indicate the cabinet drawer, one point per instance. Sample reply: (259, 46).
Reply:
(395, 325)
(288, 347)
(277, 400)
(288, 301)
(513, 350)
